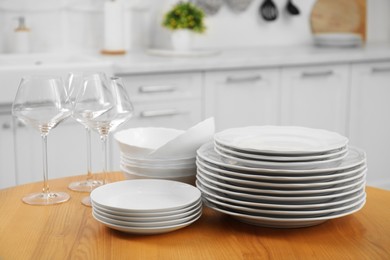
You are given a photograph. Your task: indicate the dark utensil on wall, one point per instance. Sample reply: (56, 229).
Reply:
(268, 10)
(291, 8)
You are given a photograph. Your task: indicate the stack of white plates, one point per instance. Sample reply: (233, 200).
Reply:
(146, 206)
(281, 176)
(337, 39)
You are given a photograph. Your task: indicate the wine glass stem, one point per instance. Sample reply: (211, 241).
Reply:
(45, 165)
(105, 157)
(89, 162)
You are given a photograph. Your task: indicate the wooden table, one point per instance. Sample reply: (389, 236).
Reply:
(68, 231)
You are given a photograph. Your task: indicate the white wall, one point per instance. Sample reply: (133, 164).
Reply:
(74, 25)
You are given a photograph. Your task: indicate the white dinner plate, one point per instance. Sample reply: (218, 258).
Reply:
(148, 224)
(264, 157)
(354, 157)
(281, 140)
(289, 165)
(149, 219)
(145, 195)
(278, 199)
(146, 215)
(284, 222)
(280, 192)
(333, 203)
(284, 213)
(149, 230)
(287, 186)
(296, 180)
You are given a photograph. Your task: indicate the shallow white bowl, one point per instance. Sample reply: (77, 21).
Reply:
(185, 179)
(138, 142)
(160, 171)
(158, 162)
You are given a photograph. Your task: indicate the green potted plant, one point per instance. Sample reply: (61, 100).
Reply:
(183, 20)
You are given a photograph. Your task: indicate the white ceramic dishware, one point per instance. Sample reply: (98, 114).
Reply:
(139, 142)
(286, 140)
(146, 206)
(145, 195)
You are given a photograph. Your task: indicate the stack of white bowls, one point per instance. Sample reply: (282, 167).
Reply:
(282, 176)
(162, 153)
(146, 206)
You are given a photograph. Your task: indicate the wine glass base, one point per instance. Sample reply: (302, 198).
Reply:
(41, 198)
(86, 201)
(85, 186)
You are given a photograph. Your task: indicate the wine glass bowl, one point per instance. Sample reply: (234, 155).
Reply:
(42, 103)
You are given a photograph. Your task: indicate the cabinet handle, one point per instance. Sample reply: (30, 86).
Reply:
(317, 74)
(379, 70)
(158, 113)
(244, 79)
(6, 126)
(156, 89)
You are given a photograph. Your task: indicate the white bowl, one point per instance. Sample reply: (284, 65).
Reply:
(158, 163)
(138, 142)
(158, 166)
(186, 179)
(187, 143)
(160, 171)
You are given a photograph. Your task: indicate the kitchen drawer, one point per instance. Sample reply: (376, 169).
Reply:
(148, 87)
(178, 114)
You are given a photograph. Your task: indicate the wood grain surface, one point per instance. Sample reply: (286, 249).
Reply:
(68, 231)
(329, 16)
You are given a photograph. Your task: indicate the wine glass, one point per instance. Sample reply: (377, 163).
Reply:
(75, 85)
(93, 99)
(41, 102)
(105, 123)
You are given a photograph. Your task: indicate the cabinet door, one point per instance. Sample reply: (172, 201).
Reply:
(242, 97)
(66, 152)
(7, 154)
(316, 96)
(370, 118)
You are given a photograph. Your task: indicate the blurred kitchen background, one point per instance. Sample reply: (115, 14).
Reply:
(252, 72)
(76, 25)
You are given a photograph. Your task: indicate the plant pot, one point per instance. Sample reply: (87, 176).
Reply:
(181, 40)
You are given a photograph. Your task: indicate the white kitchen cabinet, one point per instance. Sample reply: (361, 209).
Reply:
(172, 100)
(7, 153)
(242, 97)
(370, 118)
(316, 96)
(67, 153)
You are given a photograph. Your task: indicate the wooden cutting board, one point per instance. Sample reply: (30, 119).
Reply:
(330, 16)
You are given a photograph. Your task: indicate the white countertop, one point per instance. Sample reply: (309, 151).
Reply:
(143, 62)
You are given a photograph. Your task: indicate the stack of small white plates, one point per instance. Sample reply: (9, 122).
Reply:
(280, 176)
(337, 39)
(146, 206)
